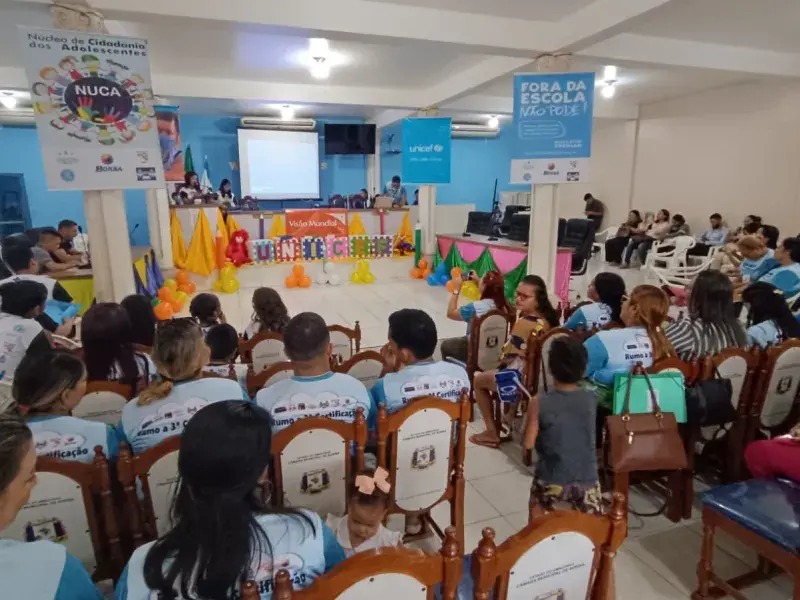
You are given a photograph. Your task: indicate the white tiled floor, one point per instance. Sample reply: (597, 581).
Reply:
(659, 558)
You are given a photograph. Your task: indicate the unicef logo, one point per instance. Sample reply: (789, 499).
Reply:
(67, 175)
(438, 148)
(526, 177)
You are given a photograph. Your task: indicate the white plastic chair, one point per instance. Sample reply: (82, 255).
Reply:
(600, 238)
(675, 257)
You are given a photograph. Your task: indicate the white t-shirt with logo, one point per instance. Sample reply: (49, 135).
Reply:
(435, 378)
(16, 334)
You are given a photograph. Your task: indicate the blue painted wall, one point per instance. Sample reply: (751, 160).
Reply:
(476, 162)
(19, 153)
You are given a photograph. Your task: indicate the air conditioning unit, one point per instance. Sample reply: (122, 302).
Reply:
(473, 130)
(17, 116)
(277, 124)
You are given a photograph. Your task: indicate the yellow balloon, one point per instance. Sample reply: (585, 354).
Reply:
(181, 297)
(470, 290)
(355, 277)
(171, 284)
(368, 277)
(217, 287)
(229, 286)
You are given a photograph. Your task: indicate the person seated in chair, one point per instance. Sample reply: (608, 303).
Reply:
(712, 237)
(314, 390)
(769, 319)
(606, 291)
(45, 253)
(412, 342)
(783, 270)
(68, 230)
(616, 245)
(641, 243)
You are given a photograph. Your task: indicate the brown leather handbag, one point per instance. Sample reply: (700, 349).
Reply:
(644, 441)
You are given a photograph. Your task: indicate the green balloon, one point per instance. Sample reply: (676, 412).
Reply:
(155, 301)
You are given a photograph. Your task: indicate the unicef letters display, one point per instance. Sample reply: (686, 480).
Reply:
(93, 105)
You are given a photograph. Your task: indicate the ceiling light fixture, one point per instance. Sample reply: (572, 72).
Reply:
(318, 47)
(8, 100)
(608, 91)
(321, 69)
(609, 82)
(287, 112)
(609, 73)
(493, 122)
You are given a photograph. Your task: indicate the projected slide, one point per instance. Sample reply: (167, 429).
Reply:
(276, 165)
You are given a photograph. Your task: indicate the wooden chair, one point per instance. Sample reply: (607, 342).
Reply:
(569, 310)
(774, 409)
(384, 573)
(231, 373)
(563, 554)
(542, 378)
(488, 335)
(367, 367)
(346, 342)
(71, 504)
(156, 473)
(313, 463)
(103, 402)
(416, 446)
(262, 350)
(273, 373)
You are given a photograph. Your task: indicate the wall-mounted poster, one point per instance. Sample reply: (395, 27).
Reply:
(423, 459)
(169, 139)
(93, 105)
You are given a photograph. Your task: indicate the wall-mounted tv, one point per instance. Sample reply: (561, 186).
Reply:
(349, 139)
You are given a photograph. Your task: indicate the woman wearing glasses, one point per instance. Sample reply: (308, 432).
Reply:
(535, 315)
(163, 409)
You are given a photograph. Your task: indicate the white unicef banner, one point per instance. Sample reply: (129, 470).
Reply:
(163, 481)
(313, 466)
(558, 170)
(557, 568)
(55, 512)
(93, 104)
(423, 459)
(391, 585)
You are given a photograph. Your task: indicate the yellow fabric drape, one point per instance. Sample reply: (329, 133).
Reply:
(405, 228)
(201, 258)
(233, 226)
(141, 268)
(356, 227)
(277, 229)
(178, 244)
(222, 234)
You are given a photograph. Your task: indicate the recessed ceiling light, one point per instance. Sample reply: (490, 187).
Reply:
(608, 91)
(8, 100)
(493, 122)
(287, 112)
(609, 73)
(321, 69)
(318, 47)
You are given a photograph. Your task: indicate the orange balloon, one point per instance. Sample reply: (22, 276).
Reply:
(177, 306)
(290, 281)
(416, 273)
(455, 272)
(423, 264)
(182, 277)
(426, 272)
(165, 294)
(305, 281)
(187, 287)
(298, 271)
(163, 311)
(449, 286)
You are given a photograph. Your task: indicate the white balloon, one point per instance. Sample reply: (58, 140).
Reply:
(328, 267)
(322, 278)
(334, 279)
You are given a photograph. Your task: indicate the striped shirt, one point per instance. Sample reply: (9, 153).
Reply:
(692, 337)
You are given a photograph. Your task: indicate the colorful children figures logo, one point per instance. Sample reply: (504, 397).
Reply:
(93, 100)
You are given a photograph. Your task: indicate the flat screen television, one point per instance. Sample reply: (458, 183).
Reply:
(349, 139)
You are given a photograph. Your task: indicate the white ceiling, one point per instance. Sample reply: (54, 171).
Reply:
(401, 55)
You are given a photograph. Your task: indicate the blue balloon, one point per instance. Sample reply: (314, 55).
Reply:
(443, 279)
(432, 280)
(441, 269)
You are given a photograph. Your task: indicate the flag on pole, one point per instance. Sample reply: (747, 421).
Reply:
(188, 162)
(205, 182)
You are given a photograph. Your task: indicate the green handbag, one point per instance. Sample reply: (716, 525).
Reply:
(668, 387)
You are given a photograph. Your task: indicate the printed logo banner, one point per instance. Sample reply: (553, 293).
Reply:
(93, 104)
(316, 222)
(552, 127)
(426, 150)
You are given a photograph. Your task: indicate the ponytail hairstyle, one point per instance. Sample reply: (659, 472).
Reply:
(179, 353)
(648, 306)
(610, 289)
(494, 289)
(107, 338)
(767, 303)
(215, 538)
(41, 380)
(543, 305)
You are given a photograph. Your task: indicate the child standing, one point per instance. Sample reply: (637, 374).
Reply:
(207, 311)
(362, 527)
(561, 426)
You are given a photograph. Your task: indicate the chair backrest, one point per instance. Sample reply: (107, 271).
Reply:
(71, 504)
(488, 334)
(543, 378)
(681, 244)
(277, 372)
(103, 402)
(345, 341)
(149, 481)
(367, 366)
(313, 463)
(222, 372)
(416, 445)
(262, 350)
(689, 370)
(740, 366)
(561, 555)
(385, 573)
(780, 383)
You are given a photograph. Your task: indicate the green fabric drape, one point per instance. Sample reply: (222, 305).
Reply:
(481, 266)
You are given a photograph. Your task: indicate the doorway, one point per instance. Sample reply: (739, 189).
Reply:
(15, 217)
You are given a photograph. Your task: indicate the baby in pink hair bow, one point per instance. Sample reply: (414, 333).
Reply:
(366, 484)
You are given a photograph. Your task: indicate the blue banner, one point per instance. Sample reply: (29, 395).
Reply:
(426, 150)
(553, 115)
